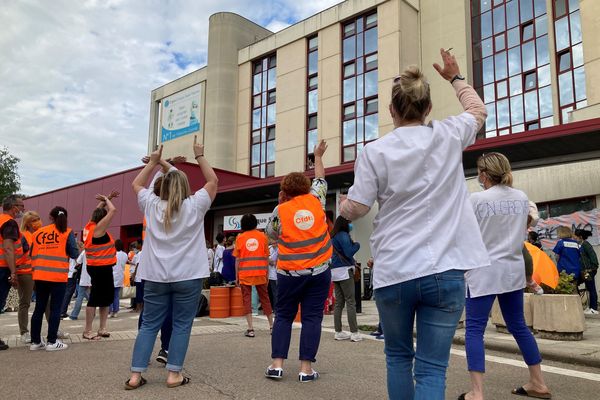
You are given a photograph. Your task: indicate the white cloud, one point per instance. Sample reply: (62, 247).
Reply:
(77, 76)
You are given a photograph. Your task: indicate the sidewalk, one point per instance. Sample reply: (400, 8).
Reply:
(585, 352)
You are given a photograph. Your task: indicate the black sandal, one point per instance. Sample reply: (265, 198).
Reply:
(531, 393)
(184, 381)
(129, 386)
(249, 333)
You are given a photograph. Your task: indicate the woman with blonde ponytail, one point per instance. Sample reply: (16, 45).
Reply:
(501, 212)
(174, 260)
(415, 173)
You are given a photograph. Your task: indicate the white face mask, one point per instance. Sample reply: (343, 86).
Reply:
(19, 214)
(480, 183)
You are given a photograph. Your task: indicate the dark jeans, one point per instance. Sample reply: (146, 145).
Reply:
(310, 293)
(273, 293)
(139, 292)
(4, 286)
(590, 286)
(71, 286)
(53, 292)
(165, 330)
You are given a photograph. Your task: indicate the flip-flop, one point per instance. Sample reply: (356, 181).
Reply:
(249, 333)
(142, 382)
(531, 393)
(103, 333)
(462, 396)
(184, 381)
(90, 336)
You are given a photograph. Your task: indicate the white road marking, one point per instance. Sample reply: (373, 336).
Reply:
(508, 361)
(11, 325)
(75, 326)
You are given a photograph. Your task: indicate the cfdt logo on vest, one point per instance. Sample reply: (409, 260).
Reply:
(304, 219)
(252, 244)
(47, 238)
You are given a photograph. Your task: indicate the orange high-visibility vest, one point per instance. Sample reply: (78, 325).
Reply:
(304, 239)
(49, 259)
(24, 263)
(4, 218)
(98, 254)
(253, 259)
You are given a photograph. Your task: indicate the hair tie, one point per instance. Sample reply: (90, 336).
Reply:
(61, 213)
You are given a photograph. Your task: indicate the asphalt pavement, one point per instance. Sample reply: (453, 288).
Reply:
(223, 364)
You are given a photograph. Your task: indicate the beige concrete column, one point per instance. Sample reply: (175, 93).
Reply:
(227, 34)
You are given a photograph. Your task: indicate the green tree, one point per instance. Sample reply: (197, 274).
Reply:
(10, 182)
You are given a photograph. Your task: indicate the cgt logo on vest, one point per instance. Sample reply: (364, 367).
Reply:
(47, 238)
(252, 244)
(304, 219)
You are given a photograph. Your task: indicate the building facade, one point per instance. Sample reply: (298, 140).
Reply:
(266, 98)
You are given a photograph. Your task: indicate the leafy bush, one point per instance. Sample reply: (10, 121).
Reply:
(566, 285)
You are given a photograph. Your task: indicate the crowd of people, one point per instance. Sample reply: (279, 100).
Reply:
(414, 174)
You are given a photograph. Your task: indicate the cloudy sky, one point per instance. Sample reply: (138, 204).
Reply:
(76, 76)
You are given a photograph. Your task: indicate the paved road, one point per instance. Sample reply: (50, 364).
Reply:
(223, 364)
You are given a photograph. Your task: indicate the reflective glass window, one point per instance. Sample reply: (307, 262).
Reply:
(543, 55)
(349, 128)
(370, 62)
(313, 62)
(516, 109)
(561, 28)
(370, 40)
(531, 105)
(526, 10)
(564, 61)
(514, 61)
(579, 79)
(499, 21)
(545, 98)
(312, 101)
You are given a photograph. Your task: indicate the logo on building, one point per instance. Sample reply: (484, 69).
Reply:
(252, 244)
(304, 219)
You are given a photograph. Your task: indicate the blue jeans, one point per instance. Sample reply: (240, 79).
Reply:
(478, 311)
(82, 292)
(4, 286)
(166, 329)
(310, 293)
(437, 301)
(53, 292)
(183, 297)
(114, 307)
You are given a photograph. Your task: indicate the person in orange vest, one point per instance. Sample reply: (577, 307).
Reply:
(11, 249)
(299, 225)
(51, 248)
(251, 268)
(101, 255)
(30, 223)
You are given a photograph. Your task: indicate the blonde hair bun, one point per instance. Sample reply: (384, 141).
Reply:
(414, 84)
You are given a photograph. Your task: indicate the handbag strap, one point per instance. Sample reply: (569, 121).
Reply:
(341, 256)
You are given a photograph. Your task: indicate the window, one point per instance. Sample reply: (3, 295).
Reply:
(569, 57)
(511, 63)
(312, 99)
(262, 136)
(360, 85)
(565, 207)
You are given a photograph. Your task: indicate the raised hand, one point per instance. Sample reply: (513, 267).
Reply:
(320, 148)
(156, 155)
(113, 195)
(178, 159)
(450, 69)
(146, 159)
(198, 148)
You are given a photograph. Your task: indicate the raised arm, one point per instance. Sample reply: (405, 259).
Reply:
(212, 182)
(467, 96)
(141, 179)
(319, 151)
(104, 223)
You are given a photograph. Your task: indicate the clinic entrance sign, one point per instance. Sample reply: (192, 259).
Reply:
(180, 113)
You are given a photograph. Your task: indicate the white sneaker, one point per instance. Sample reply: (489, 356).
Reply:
(37, 346)
(341, 335)
(62, 335)
(56, 346)
(26, 338)
(590, 311)
(356, 337)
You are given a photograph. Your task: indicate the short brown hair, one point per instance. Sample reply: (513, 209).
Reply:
(295, 184)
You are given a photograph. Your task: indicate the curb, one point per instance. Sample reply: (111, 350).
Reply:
(547, 355)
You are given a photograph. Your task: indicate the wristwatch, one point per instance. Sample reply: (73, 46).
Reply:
(457, 77)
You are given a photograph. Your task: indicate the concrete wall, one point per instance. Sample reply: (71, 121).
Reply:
(555, 182)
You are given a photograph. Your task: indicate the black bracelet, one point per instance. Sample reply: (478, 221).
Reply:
(201, 155)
